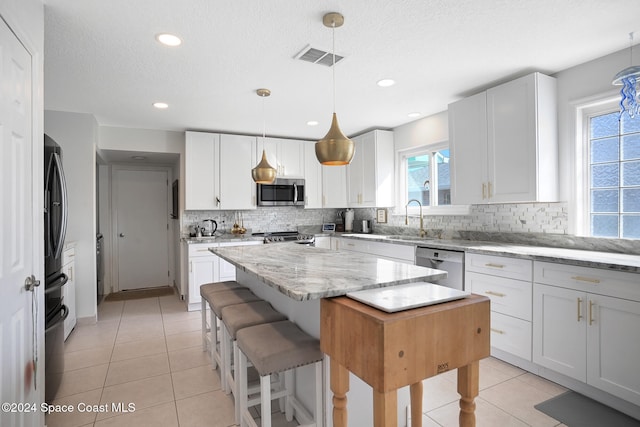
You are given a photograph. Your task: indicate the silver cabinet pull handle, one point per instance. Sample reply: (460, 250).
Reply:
(490, 264)
(497, 331)
(585, 279)
(496, 294)
(579, 307)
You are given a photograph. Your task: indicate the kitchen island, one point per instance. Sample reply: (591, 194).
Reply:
(295, 278)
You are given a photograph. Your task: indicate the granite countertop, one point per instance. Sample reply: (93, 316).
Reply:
(305, 273)
(581, 257)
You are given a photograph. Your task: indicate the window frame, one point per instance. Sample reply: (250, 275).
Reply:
(401, 199)
(581, 203)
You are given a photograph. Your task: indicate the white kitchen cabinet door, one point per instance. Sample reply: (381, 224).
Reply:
(202, 172)
(559, 330)
(286, 155)
(334, 186)
(202, 269)
(370, 175)
(312, 178)
(237, 158)
(468, 147)
(506, 150)
(613, 346)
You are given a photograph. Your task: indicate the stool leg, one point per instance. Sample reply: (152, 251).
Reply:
(203, 310)
(319, 410)
(227, 359)
(213, 335)
(289, 384)
(224, 360)
(237, 380)
(242, 380)
(265, 400)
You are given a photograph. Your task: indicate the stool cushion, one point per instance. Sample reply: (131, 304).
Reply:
(278, 346)
(240, 316)
(221, 299)
(208, 289)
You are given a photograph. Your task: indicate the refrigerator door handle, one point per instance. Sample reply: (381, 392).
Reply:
(60, 321)
(59, 240)
(58, 283)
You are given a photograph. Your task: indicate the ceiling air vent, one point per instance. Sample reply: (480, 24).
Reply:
(317, 56)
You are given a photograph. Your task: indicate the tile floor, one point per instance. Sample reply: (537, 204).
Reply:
(148, 352)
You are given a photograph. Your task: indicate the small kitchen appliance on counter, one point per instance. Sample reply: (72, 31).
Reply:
(348, 219)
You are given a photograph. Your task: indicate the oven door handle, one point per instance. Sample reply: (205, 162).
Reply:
(60, 321)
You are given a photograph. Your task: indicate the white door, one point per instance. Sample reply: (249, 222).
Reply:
(18, 219)
(142, 235)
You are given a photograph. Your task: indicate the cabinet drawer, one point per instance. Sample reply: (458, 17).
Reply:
(201, 249)
(515, 268)
(511, 335)
(508, 296)
(612, 283)
(68, 255)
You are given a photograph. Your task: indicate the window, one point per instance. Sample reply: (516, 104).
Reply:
(613, 175)
(425, 175)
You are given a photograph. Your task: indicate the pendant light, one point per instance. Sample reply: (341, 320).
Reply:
(629, 78)
(263, 173)
(335, 149)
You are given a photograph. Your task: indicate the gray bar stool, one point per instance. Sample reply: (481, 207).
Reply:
(274, 348)
(220, 300)
(235, 318)
(206, 295)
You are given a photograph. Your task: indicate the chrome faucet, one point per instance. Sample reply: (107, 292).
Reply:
(406, 216)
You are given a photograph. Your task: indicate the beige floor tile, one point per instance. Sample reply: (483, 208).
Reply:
(542, 384)
(438, 391)
(140, 307)
(136, 369)
(278, 420)
(182, 326)
(91, 336)
(179, 313)
(188, 358)
(194, 381)
(110, 310)
(142, 329)
(518, 399)
(499, 365)
(145, 347)
(185, 340)
(214, 409)
(487, 415)
(86, 358)
(493, 371)
(163, 415)
(78, 417)
(142, 393)
(82, 380)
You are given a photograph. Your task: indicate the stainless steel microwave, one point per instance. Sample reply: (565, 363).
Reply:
(282, 192)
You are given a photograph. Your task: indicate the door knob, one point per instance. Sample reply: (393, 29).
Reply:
(121, 234)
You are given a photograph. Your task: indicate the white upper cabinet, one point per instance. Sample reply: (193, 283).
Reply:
(202, 174)
(312, 177)
(334, 186)
(370, 175)
(504, 143)
(218, 171)
(286, 155)
(237, 158)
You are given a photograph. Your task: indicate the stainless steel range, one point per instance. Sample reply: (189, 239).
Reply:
(287, 236)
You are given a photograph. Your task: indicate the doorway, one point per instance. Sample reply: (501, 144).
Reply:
(140, 229)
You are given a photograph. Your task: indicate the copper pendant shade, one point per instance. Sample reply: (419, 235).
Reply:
(263, 173)
(335, 149)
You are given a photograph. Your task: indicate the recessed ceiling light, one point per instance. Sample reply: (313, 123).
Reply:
(414, 114)
(312, 123)
(138, 157)
(161, 105)
(169, 39)
(386, 82)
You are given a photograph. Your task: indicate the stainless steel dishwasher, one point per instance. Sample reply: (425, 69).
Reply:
(450, 261)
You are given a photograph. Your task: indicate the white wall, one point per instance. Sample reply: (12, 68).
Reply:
(77, 135)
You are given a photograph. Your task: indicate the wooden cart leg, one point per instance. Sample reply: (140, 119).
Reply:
(416, 404)
(385, 409)
(468, 379)
(339, 387)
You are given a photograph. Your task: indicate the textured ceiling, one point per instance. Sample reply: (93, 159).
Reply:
(101, 57)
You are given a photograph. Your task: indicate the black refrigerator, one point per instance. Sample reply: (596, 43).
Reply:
(55, 228)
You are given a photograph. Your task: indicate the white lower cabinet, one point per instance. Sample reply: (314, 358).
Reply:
(323, 242)
(585, 335)
(205, 267)
(391, 251)
(507, 282)
(69, 289)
